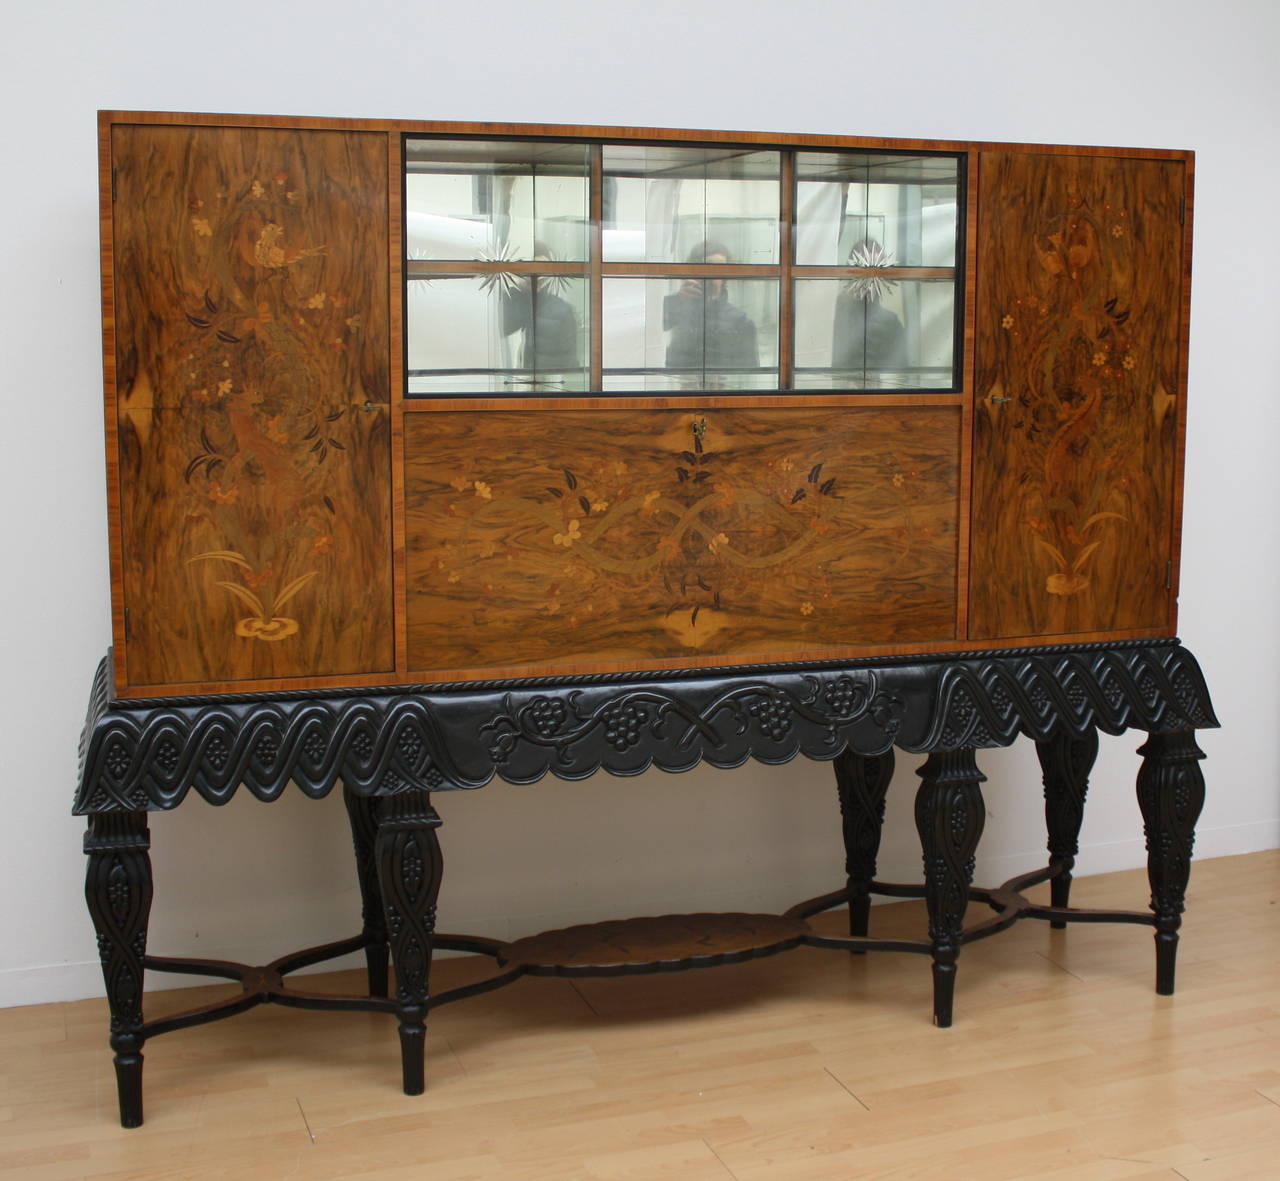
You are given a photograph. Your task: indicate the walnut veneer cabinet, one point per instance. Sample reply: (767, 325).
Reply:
(440, 451)
(311, 487)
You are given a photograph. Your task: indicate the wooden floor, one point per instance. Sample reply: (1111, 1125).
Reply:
(1062, 1065)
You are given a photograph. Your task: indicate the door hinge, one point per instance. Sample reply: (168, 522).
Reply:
(128, 624)
(113, 185)
(1182, 211)
(1168, 577)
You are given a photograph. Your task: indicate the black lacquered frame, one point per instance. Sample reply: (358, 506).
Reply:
(391, 749)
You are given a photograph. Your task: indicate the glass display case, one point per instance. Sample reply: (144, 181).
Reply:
(545, 267)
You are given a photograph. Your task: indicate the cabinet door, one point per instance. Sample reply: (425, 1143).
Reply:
(251, 380)
(1080, 285)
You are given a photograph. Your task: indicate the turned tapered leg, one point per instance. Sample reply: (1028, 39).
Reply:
(364, 828)
(862, 781)
(1066, 762)
(407, 852)
(1170, 794)
(118, 890)
(949, 817)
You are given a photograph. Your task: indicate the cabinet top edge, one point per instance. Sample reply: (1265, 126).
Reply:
(109, 118)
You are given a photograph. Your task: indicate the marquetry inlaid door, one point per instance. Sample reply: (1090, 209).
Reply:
(252, 459)
(1080, 281)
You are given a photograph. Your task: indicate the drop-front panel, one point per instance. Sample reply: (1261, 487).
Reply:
(295, 505)
(574, 535)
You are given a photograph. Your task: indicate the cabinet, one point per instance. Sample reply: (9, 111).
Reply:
(409, 403)
(440, 452)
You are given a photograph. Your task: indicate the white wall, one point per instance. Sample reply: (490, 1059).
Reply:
(1176, 74)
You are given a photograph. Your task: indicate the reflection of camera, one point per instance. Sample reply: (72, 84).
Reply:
(679, 310)
(687, 308)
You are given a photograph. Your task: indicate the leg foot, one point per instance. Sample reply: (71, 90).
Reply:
(1170, 794)
(949, 817)
(128, 1064)
(118, 891)
(862, 781)
(944, 991)
(407, 852)
(413, 1039)
(1066, 762)
(1166, 961)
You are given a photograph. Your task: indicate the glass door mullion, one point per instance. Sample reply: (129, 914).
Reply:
(595, 252)
(786, 252)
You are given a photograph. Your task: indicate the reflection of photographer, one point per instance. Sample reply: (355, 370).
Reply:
(549, 323)
(866, 334)
(707, 331)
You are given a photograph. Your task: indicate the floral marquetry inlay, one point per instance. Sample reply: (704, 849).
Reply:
(252, 384)
(665, 533)
(1079, 268)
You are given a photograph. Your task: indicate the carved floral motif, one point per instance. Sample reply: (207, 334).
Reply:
(460, 736)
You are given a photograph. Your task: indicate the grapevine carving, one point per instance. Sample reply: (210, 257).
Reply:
(147, 755)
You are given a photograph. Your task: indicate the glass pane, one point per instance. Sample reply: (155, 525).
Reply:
(497, 334)
(490, 200)
(690, 334)
(869, 334)
(671, 204)
(904, 205)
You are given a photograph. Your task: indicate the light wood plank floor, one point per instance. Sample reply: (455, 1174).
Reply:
(1062, 1065)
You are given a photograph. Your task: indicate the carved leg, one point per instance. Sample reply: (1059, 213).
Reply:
(862, 782)
(1066, 762)
(364, 828)
(1170, 794)
(118, 890)
(407, 852)
(949, 817)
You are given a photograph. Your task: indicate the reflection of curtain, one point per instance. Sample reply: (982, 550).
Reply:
(662, 212)
(662, 229)
(818, 222)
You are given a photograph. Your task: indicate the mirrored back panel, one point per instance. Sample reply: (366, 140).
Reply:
(559, 267)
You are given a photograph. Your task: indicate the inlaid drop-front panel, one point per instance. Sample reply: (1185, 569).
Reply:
(555, 537)
(1080, 266)
(252, 384)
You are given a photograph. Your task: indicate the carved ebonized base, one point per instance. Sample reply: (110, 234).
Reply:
(118, 891)
(361, 812)
(949, 817)
(862, 782)
(1170, 794)
(1066, 762)
(398, 866)
(390, 750)
(407, 852)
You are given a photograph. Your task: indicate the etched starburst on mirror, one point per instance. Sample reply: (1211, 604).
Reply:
(872, 288)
